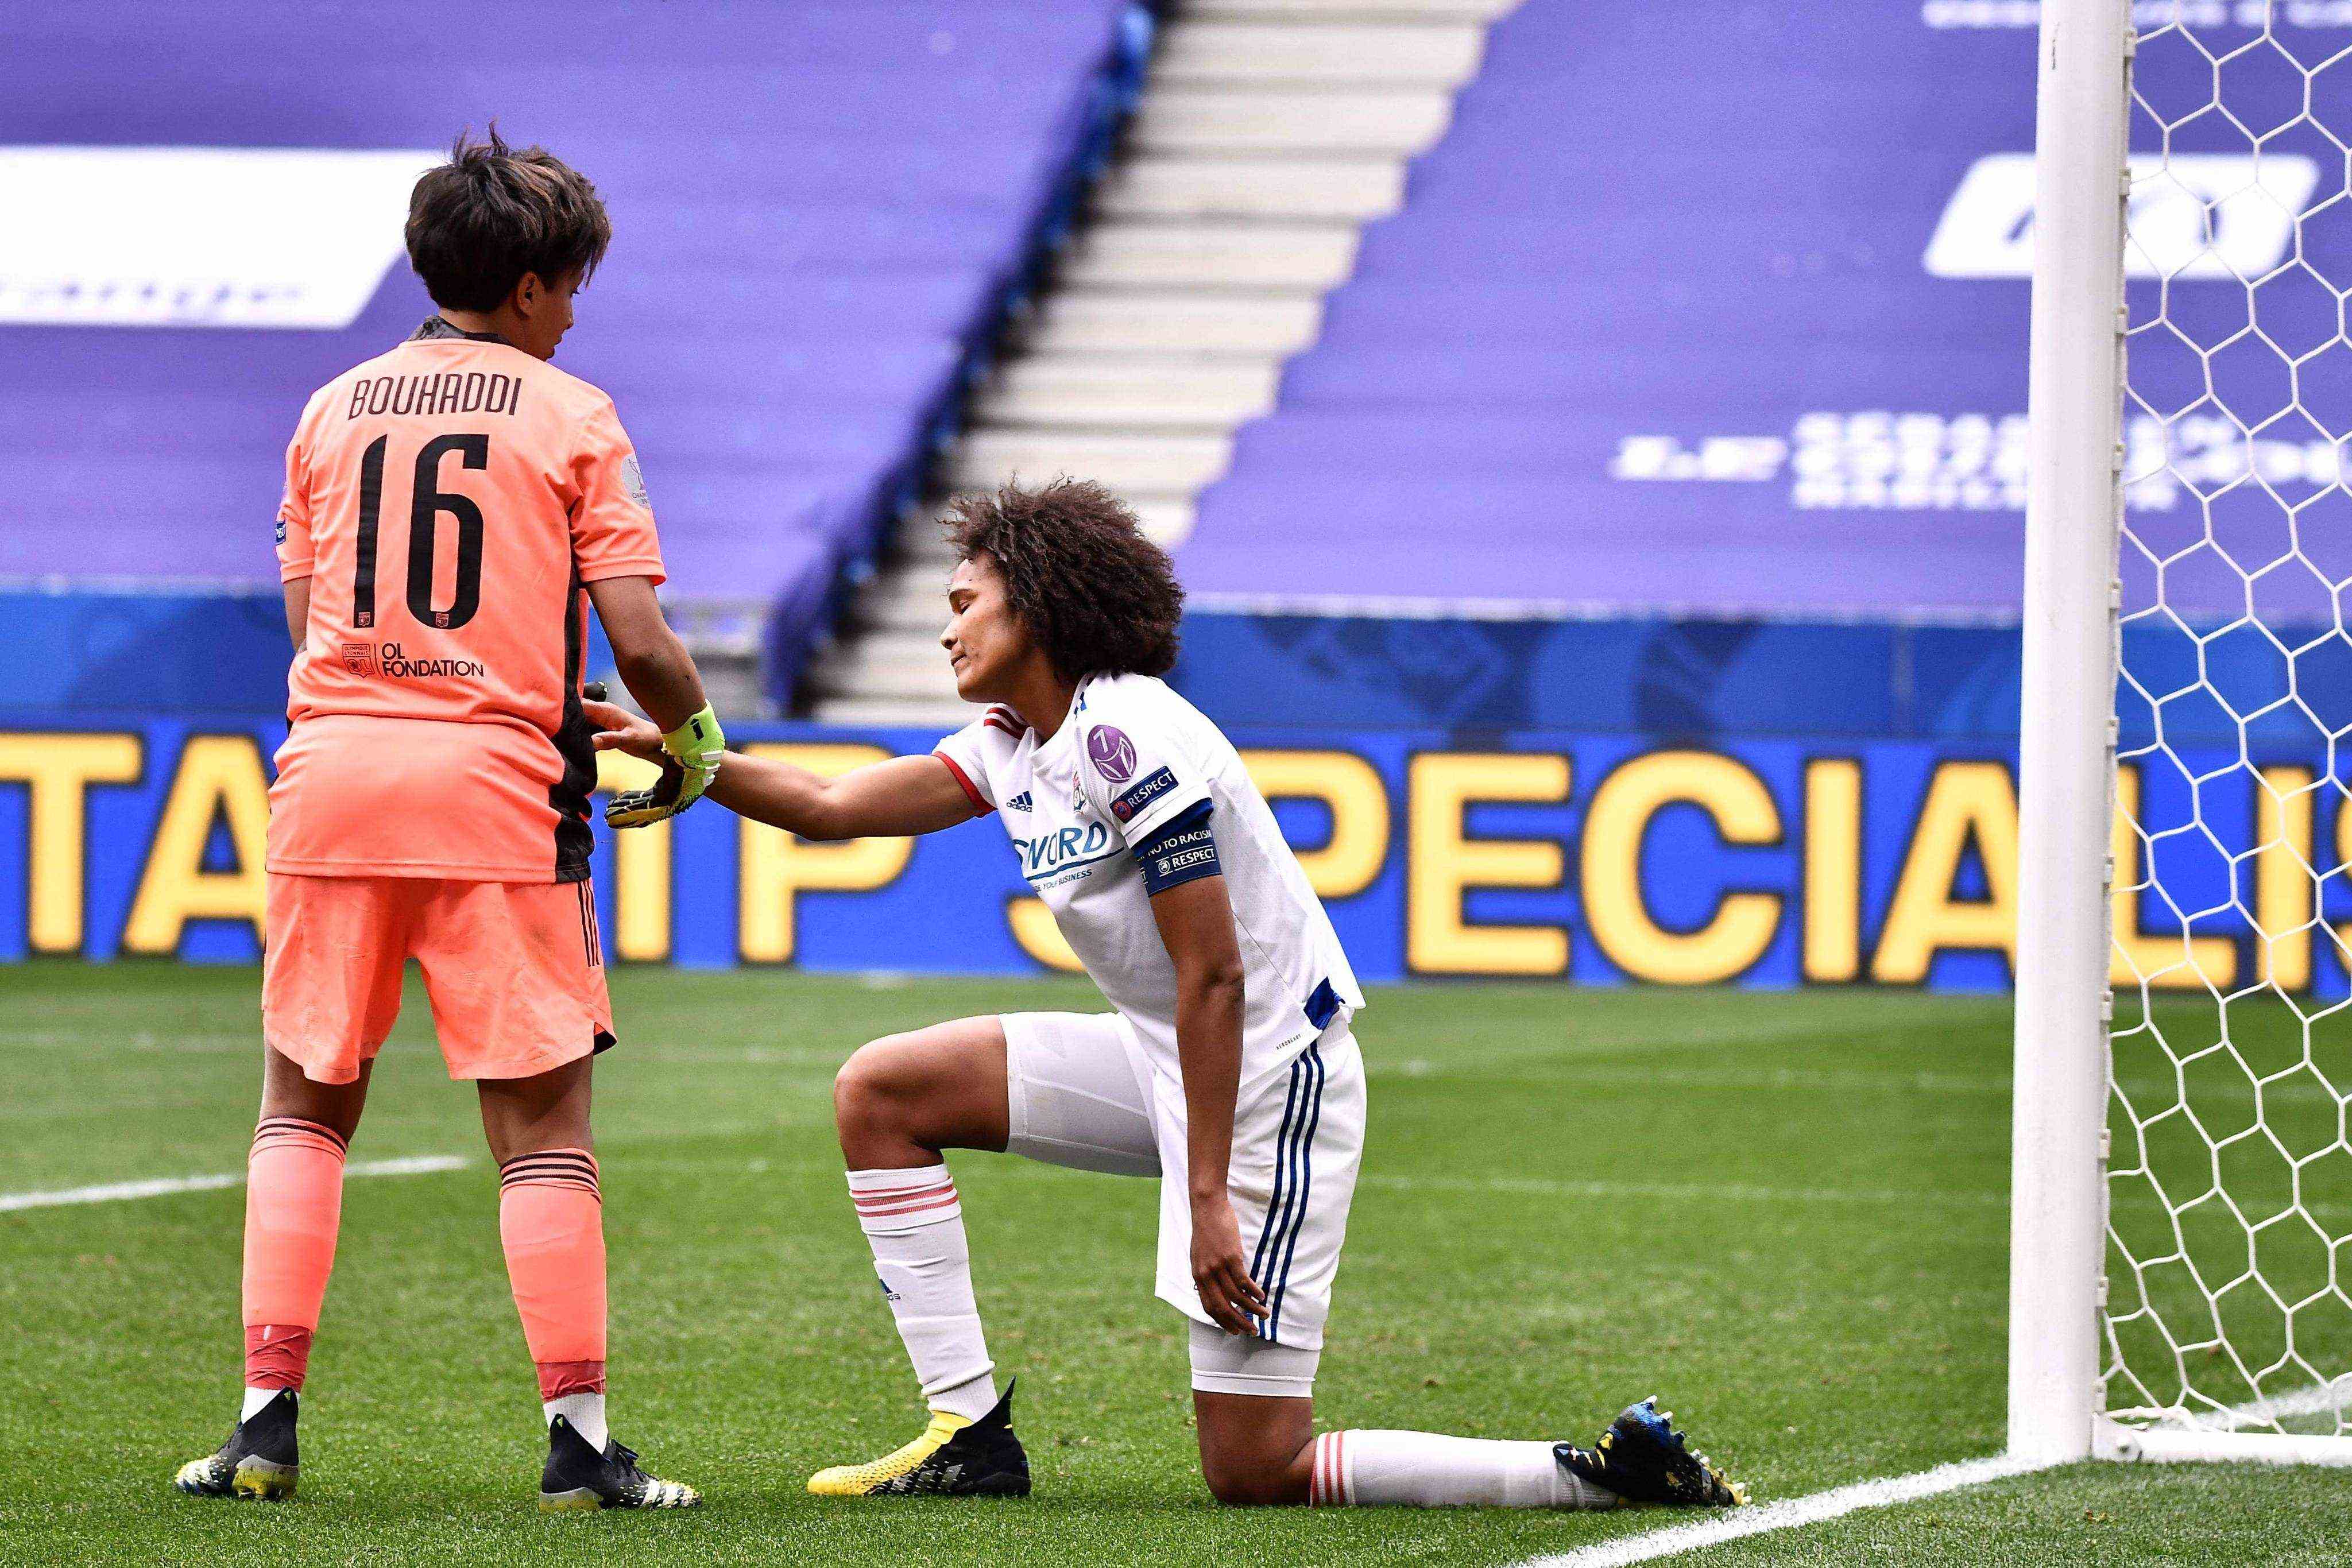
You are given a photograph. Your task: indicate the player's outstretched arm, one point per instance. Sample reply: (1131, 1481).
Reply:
(660, 674)
(903, 795)
(651, 661)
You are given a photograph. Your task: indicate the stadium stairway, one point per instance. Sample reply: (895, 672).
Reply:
(1268, 133)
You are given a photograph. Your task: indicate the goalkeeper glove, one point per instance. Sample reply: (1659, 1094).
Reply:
(695, 745)
(693, 751)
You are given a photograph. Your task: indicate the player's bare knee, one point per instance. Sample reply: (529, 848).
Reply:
(1246, 1481)
(1254, 1470)
(286, 1090)
(875, 1088)
(545, 1111)
(1230, 1486)
(851, 1089)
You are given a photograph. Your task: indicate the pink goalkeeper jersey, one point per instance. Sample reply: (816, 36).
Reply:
(447, 500)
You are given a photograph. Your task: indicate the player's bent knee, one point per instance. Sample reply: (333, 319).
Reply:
(1248, 1482)
(878, 1084)
(1255, 1451)
(936, 1088)
(856, 1087)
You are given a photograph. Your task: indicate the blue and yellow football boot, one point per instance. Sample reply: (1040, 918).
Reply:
(955, 1457)
(1642, 1458)
(258, 1461)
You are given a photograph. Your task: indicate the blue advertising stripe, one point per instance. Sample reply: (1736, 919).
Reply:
(1314, 1056)
(1817, 839)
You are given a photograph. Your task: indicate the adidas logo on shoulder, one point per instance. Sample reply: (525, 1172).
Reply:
(1020, 802)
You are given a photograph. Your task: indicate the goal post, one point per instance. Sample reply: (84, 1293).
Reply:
(2181, 1206)
(2065, 735)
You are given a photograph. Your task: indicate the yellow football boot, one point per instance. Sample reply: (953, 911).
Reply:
(955, 1457)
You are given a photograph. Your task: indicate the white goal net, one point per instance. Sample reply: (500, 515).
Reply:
(2228, 1291)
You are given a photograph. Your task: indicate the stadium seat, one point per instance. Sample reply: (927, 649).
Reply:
(818, 210)
(1631, 233)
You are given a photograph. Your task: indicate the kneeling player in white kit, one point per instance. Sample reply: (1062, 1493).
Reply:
(1228, 1068)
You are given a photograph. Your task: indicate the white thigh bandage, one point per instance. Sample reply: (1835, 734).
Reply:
(1236, 1364)
(1076, 1094)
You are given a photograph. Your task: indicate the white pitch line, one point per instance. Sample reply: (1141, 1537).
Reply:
(1677, 1192)
(2331, 1396)
(161, 1187)
(1790, 1514)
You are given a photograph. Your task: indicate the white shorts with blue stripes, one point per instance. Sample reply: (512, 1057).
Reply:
(1081, 1094)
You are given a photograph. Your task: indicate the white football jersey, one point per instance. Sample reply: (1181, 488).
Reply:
(1135, 774)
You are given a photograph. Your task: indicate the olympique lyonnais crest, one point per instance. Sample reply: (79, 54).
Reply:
(359, 658)
(1113, 753)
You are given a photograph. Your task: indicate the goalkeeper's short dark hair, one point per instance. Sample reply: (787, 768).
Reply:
(492, 212)
(1100, 597)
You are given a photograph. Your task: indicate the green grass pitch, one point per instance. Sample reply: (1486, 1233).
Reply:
(1787, 1215)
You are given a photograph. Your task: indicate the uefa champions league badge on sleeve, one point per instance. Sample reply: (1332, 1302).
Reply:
(1113, 753)
(1159, 782)
(633, 479)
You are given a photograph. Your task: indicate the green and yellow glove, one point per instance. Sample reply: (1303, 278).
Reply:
(693, 751)
(695, 746)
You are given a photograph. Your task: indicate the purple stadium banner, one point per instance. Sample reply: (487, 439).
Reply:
(1728, 319)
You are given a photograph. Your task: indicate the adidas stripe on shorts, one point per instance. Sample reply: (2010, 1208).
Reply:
(1081, 1094)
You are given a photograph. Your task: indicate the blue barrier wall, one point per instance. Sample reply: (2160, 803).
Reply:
(1632, 674)
(1594, 858)
(72, 656)
(71, 653)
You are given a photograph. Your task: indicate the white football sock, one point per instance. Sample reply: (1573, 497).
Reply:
(914, 1221)
(586, 1413)
(257, 1400)
(1423, 1469)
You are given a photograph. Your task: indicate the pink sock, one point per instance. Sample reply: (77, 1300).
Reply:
(293, 1203)
(551, 1222)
